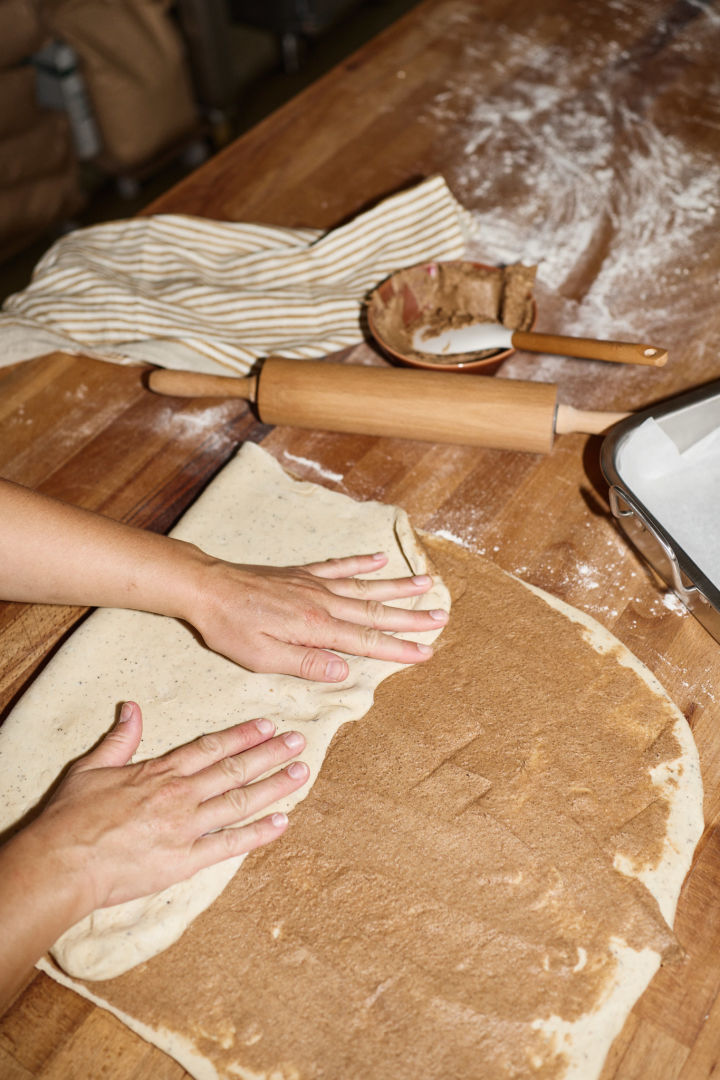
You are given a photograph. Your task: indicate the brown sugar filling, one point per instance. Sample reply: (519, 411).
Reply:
(437, 888)
(453, 295)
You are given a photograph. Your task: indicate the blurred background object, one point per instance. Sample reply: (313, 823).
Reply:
(39, 182)
(133, 62)
(104, 104)
(294, 22)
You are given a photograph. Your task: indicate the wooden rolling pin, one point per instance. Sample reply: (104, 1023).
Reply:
(471, 410)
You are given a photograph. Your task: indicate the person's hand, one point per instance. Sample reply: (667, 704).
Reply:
(285, 619)
(114, 831)
(126, 830)
(269, 619)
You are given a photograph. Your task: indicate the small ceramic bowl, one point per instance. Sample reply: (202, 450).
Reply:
(460, 288)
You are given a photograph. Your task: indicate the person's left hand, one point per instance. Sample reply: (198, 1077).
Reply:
(124, 830)
(114, 830)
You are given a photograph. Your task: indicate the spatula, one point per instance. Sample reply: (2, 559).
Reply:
(490, 335)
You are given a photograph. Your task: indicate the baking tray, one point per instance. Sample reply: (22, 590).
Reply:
(685, 419)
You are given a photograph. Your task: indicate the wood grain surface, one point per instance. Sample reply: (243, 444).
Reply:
(582, 137)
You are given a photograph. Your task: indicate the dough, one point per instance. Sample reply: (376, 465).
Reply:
(485, 870)
(253, 513)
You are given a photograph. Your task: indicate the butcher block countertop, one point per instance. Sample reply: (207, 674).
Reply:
(584, 138)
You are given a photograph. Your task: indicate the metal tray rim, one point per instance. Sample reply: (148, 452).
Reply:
(608, 463)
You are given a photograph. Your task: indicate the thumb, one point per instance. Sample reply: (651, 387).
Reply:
(121, 742)
(317, 665)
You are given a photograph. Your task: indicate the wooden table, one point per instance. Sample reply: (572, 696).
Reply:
(587, 136)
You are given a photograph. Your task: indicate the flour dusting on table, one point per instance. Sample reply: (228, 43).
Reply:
(551, 183)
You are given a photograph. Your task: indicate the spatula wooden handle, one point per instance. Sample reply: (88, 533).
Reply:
(506, 414)
(618, 352)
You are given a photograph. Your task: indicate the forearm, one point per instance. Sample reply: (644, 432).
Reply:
(279, 619)
(38, 902)
(51, 552)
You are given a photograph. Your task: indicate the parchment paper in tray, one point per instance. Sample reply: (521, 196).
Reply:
(679, 483)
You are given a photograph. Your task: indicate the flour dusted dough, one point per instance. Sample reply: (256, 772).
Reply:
(428, 909)
(474, 870)
(253, 512)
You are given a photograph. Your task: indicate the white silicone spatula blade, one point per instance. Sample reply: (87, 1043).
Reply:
(466, 339)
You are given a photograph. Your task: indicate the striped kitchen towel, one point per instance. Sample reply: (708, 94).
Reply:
(186, 292)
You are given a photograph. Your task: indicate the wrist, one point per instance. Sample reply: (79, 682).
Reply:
(42, 893)
(189, 573)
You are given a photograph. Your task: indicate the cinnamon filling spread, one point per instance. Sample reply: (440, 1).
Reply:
(448, 884)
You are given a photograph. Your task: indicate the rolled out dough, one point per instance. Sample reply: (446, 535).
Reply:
(484, 872)
(253, 512)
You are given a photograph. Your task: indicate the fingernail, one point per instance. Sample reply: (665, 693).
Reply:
(378, 556)
(279, 820)
(422, 579)
(438, 614)
(426, 650)
(126, 712)
(335, 670)
(265, 727)
(297, 770)
(294, 740)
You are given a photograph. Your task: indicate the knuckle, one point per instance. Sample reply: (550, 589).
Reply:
(210, 744)
(316, 617)
(377, 612)
(299, 580)
(238, 801)
(233, 841)
(173, 790)
(235, 769)
(371, 637)
(150, 768)
(297, 573)
(311, 665)
(362, 586)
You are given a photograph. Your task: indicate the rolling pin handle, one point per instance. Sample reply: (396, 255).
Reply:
(198, 384)
(569, 420)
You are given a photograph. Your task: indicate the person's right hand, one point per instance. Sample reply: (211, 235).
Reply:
(127, 830)
(289, 619)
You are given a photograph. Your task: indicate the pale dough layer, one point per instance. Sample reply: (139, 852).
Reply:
(253, 512)
(212, 1040)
